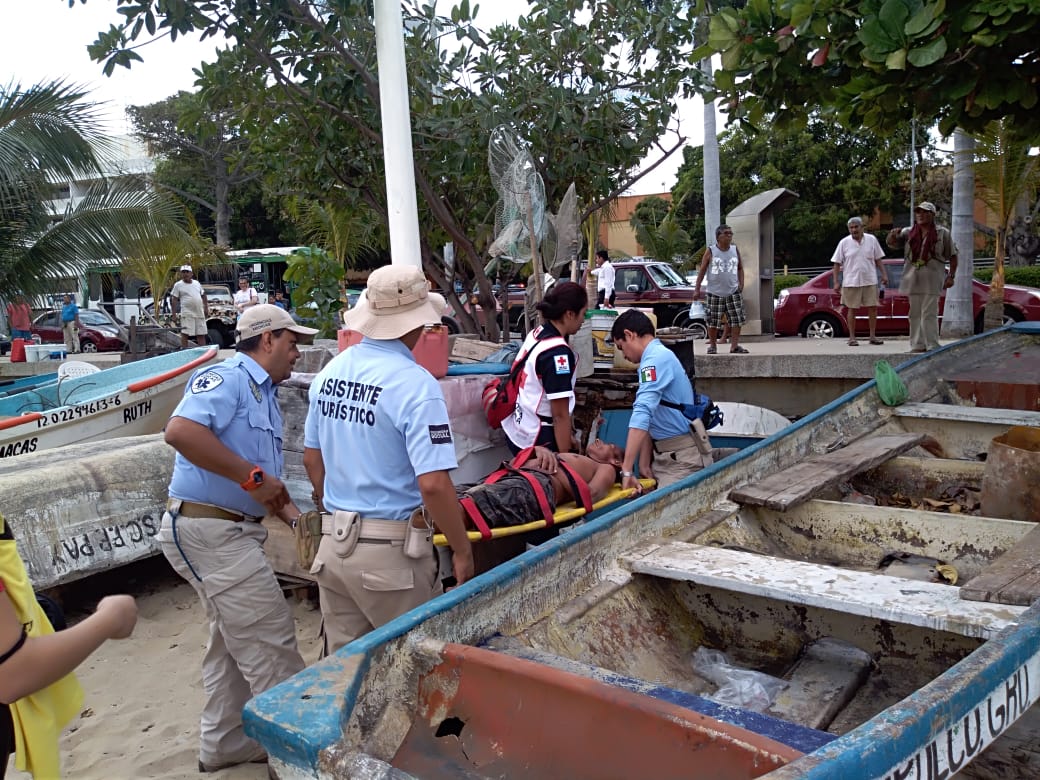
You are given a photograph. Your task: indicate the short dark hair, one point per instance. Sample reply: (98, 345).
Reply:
(633, 320)
(602, 253)
(720, 228)
(252, 343)
(563, 297)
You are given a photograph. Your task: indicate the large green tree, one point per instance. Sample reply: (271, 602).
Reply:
(591, 84)
(877, 63)
(204, 160)
(51, 133)
(836, 173)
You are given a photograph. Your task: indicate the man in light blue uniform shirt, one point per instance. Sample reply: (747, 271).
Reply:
(655, 427)
(227, 431)
(378, 448)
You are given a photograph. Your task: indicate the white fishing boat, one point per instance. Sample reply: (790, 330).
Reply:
(88, 405)
(576, 658)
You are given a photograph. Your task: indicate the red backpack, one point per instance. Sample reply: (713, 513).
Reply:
(499, 396)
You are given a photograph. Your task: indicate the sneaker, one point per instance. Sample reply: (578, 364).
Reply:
(204, 768)
(712, 349)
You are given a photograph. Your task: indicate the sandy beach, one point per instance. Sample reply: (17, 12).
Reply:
(143, 695)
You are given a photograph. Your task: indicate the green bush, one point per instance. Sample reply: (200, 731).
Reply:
(1027, 276)
(783, 281)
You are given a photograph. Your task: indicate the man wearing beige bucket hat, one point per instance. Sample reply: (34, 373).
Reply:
(378, 448)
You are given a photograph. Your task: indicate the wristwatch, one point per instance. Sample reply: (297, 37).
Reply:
(628, 473)
(254, 480)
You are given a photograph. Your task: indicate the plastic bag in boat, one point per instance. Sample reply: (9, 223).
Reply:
(889, 386)
(738, 687)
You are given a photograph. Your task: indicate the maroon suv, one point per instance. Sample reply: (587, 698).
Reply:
(814, 309)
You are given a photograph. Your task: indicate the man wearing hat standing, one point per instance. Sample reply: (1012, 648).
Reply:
(188, 299)
(378, 448)
(929, 249)
(227, 431)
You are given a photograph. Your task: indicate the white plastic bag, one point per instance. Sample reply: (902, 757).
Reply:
(737, 687)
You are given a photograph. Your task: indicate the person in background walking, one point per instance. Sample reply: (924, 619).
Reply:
(19, 318)
(721, 264)
(70, 324)
(858, 259)
(604, 273)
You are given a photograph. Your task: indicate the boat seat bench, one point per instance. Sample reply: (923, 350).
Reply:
(973, 414)
(812, 476)
(877, 596)
(791, 734)
(1013, 578)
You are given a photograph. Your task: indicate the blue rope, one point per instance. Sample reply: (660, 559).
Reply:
(177, 541)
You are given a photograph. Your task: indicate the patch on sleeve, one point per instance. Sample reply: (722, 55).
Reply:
(562, 363)
(254, 388)
(648, 374)
(206, 381)
(440, 434)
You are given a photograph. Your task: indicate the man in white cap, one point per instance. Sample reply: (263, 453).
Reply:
(188, 299)
(378, 448)
(227, 431)
(929, 249)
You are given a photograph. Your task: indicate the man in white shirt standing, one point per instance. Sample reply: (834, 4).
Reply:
(858, 258)
(604, 273)
(188, 299)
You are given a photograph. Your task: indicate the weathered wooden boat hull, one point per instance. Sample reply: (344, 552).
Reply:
(955, 676)
(127, 400)
(86, 508)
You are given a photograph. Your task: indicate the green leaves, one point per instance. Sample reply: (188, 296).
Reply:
(912, 56)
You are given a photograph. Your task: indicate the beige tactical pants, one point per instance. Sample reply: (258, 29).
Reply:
(674, 461)
(371, 586)
(252, 636)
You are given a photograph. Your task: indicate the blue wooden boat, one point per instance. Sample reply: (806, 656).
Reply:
(776, 556)
(26, 383)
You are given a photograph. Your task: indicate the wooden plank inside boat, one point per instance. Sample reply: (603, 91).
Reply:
(811, 477)
(1014, 578)
(899, 600)
(979, 414)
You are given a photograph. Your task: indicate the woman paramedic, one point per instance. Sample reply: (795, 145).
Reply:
(545, 394)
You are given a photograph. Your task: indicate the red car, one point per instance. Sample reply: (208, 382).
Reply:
(814, 309)
(98, 331)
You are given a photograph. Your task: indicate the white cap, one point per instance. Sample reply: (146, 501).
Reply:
(185, 267)
(266, 316)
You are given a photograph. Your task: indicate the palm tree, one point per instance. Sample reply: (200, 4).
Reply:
(1005, 170)
(49, 133)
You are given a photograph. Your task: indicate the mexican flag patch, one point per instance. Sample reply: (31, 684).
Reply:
(648, 374)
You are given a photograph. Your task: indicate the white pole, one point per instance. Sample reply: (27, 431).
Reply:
(397, 135)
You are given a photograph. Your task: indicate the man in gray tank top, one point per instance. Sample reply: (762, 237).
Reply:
(721, 264)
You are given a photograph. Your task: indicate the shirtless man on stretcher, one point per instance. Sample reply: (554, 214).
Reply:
(511, 498)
